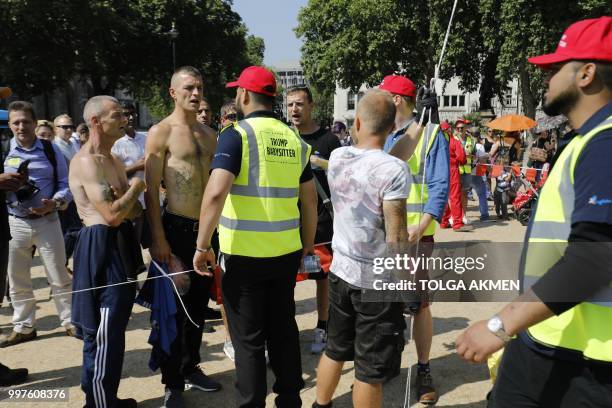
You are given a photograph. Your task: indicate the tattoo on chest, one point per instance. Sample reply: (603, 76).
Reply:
(107, 192)
(187, 181)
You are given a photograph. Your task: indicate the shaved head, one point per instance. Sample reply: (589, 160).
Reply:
(97, 106)
(182, 71)
(376, 112)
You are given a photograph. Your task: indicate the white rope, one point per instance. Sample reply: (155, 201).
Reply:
(434, 80)
(163, 275)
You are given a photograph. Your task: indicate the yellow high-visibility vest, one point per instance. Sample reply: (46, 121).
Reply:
(468, 149)
(260, 218)
(418, 188)
(587, 327)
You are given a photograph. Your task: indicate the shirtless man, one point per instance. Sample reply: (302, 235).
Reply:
(105, 199)
(179, 151)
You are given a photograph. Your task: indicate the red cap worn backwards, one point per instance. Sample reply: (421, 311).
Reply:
(256, 79)
(398, 85)
(585, 40)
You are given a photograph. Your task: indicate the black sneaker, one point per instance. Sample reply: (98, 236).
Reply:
(202, 382)
(126, 403)
(426, 393)
(173, 398)
(317, 405)
(13, 376)
(211, 314)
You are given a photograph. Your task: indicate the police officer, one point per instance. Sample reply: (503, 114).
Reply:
(562, 355)
(259, 172)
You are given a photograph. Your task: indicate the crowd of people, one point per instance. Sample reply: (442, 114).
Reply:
(248, 205)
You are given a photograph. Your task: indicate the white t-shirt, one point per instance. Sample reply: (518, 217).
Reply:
(129, 150)
(479, 153)
(66, 148)
(359, 181)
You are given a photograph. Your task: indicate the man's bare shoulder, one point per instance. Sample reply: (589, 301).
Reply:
(84, 165)
(207, 131)
(161, 129)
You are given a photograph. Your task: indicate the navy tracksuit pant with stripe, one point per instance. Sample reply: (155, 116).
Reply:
(101, 316)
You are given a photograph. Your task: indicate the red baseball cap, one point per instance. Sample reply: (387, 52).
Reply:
(256, 79)
(397, 84)
(585, 40)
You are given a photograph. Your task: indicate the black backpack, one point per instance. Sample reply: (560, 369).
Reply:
(50, 153)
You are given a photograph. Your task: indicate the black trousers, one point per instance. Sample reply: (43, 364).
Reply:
(258, 300)
(528, 379)
(182, 234)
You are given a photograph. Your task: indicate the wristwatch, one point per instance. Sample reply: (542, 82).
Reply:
(496, 326)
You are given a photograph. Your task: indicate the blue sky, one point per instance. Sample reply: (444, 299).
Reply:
(273, 20)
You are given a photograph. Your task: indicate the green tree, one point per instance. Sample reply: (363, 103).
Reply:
(323, 112)
(351, 42)
(113, 44)
(532, 28)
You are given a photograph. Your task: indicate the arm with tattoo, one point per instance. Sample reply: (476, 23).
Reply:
(104, 197)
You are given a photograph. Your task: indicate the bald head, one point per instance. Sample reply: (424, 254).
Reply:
(376, 112)
(98, 106)
(183, 71)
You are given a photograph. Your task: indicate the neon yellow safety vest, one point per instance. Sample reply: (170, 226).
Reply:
(468, 149)
(260, 218)
(587, 327)
(416, 164)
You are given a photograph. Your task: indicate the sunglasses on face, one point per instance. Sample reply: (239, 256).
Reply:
(66, 127)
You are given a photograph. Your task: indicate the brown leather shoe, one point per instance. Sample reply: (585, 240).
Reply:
(16, 338)
(426, 393)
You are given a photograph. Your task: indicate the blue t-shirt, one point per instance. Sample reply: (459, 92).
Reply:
(592, 183)
(228, 155)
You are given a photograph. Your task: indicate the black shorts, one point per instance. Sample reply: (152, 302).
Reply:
(370, 333)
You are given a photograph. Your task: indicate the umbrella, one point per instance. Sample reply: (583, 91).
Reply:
(550, 122)
(512, 123)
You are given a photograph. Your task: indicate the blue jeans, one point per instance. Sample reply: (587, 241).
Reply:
(479, 185)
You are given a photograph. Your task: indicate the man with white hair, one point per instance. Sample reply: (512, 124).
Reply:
(106, 201)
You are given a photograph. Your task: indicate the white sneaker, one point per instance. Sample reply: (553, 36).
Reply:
(228, 349)
(320, 339)
(466, 220)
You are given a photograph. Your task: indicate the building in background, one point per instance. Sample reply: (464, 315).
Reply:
(452, 100)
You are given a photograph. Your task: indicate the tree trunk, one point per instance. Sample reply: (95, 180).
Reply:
(528, 98)
(487, 85)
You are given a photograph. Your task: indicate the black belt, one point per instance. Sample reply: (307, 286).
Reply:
(181, 222)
